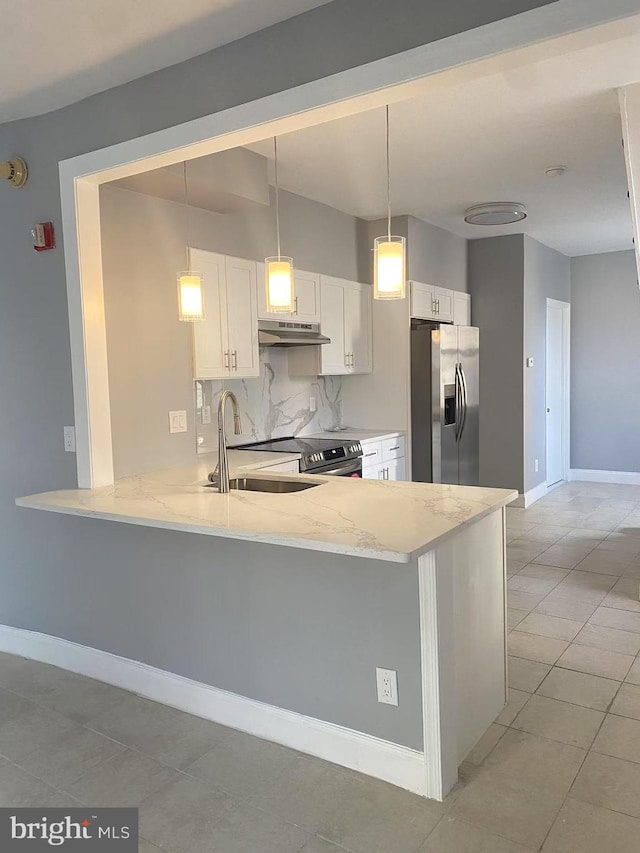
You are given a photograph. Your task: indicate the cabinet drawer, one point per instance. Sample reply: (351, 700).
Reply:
(371, 454)
(393, 448)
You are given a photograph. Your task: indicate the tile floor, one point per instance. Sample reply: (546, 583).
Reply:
(559, 770)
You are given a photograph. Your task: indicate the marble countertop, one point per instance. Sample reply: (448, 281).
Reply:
(356, 434)
(393, 521)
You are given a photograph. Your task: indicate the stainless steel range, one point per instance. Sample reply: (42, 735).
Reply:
(326, 456)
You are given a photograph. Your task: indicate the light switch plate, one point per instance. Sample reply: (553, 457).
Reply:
(178, 421)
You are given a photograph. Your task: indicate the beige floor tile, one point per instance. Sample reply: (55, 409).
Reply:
(526, 674)
(627, 702)
(532, 763)
(507, 811)
(609, 638)
(517, 700)
(633, 676)
(457, 836)
(586, 587)
(608, 617)
(579, 535)
(601, 564)
(514, 566)
(585, 828)
(624, 595)
(125, 780)
(561, 721)
(486, 743)
(18, 789)
(550, 626)
(609, 782)
(514, 617)
(596, 661)
(544, 573)
(525, 583)
(620, 737)
(524, 551)
(534, 647)
(579, 688)
(523, 600)
(36, 728)
(562, 556)
(564, 608)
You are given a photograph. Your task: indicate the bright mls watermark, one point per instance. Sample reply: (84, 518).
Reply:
(101, 830)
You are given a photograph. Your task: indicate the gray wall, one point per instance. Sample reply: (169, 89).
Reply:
(436, 256)
(47, 563)
(149, 349)
(547, 273)
(605, 362)
(496, 284)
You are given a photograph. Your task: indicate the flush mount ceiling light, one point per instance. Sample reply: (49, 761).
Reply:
(279, 269)
(389, 255)
(495, 213)
(190, 285)
(14, 172)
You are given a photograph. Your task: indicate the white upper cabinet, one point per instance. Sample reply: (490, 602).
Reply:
(307, 298)
(345, 312)
(357, 327)
(333, 356)
(225, 343)
(429, 302)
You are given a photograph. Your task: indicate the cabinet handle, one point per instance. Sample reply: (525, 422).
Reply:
(351, 362)
(295, 305)
(373, 453)
(397, 447)
(346, 359)
(234, 356)
(226, 359)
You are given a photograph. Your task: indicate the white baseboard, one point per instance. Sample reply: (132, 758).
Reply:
(589, 475)
(373, 756)
(525, 500)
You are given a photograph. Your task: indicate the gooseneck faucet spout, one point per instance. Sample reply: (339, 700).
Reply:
(223, 459)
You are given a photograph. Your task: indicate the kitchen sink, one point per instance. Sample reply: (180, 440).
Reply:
(279, 487)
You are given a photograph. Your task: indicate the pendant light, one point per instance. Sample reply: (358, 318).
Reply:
(190, 285)
(279, 269)
(389, 252)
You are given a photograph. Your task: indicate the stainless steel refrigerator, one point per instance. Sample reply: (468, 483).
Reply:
(444, 403)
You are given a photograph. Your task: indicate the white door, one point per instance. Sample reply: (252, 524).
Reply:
(307, 297)
(242, 317)
(444, 304)
(557, 389)
(211, 357)
(357, 327)
(333, 356)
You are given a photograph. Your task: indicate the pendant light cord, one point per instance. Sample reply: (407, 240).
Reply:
(275, 159)
(388, 179)
(186, 215)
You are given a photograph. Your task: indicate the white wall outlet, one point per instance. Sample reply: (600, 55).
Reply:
(312, 404)
(387, 681)
(529, 362)
(178, 421)
(206, 414)
(536, 465)
(70, 439)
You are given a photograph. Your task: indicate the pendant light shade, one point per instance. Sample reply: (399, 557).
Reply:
(190, 283)
(389, 252)
(279, 281)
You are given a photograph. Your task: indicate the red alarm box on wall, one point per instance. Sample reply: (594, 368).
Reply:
(43, 236)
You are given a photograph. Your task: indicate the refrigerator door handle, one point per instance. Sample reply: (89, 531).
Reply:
(465, 398)
(458, 399)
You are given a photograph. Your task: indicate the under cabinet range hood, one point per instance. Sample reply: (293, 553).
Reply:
(282, 333)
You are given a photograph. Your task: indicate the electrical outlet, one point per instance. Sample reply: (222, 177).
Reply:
(387, 681)
(70, 439)
(206, 414)
(178, 421)
(536, 466)
(312, 404)
(529, 362)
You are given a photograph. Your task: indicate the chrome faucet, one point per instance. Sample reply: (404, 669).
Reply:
(221, 474)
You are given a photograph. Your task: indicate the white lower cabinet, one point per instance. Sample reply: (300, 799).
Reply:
(385, 459)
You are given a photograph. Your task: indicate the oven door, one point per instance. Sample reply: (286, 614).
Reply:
(348, 468)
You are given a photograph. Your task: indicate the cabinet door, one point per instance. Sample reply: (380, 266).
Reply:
(461, 309)
(210, 337)
(444, 304)
(242, 313)
(357, 327)
(262, 297)
(396, 469)
(333, 359)
(307, 297)
(423, 300)
(373, 472)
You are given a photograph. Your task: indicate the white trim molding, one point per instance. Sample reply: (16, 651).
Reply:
(373, 756)
(565, 307)
(593, 475)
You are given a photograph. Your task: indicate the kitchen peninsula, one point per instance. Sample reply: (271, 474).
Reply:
(291, 602)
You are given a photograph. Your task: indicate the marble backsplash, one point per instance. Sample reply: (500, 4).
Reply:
(272, 406)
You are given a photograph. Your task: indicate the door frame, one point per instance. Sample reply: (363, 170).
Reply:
(565, 307)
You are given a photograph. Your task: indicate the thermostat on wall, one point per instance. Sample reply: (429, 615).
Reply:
(43, 236)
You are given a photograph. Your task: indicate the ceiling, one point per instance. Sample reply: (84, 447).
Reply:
(55, 53)
(489, 138)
